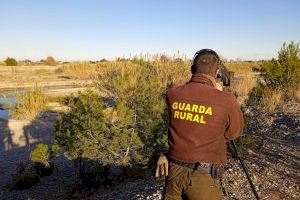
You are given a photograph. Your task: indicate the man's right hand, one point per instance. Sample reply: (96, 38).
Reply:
(162, 166)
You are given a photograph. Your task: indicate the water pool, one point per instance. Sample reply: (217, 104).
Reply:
(4, 112)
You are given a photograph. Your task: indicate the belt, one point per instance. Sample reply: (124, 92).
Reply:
(204, 168)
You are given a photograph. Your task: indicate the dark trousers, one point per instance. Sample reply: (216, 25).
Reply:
(185, 183)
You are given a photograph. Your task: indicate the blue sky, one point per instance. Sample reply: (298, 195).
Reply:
(91, 30)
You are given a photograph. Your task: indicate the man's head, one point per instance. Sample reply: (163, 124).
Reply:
(206, 61)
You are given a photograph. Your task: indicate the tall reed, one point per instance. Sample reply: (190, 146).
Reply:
(29, 104)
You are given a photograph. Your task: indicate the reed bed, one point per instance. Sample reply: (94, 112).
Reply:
(29, 104)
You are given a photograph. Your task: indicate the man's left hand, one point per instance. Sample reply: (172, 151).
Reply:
(162, 166)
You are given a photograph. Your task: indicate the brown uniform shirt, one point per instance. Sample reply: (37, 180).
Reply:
(200, 119)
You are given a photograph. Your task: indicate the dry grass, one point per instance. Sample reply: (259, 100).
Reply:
(29, 104)
(81, 70)
(41, 72)
(172, 70)
(244, 84)
(297, 94)
(271, 100)
(242, 67)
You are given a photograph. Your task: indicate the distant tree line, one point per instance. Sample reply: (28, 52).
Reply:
(9, 61)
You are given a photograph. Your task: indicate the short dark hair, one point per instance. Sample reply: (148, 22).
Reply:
(205, 61)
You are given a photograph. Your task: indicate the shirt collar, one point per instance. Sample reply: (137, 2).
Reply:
(204, 79)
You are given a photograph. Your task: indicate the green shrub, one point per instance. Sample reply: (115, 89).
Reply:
(41, 155)
(82, 132)
(245, 140)
(283, 73)
(282, 77)
(103, 60)
(255, 95)
(50, 61)
(139, 118)
(28, 173)
(11, 62)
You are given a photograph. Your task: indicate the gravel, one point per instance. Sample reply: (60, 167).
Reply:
(272, 159)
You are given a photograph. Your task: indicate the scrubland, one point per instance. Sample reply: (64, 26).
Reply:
(112, 130)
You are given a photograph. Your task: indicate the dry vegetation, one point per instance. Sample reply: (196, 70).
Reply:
(297, 94)
(244, 84)
(173, 71)
(176, 70)
(80, 70)
(29, 104)
(169, 71)
(130, 130)
(242, 67)
(271, 100)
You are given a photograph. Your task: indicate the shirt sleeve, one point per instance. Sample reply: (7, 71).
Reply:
(235, 124)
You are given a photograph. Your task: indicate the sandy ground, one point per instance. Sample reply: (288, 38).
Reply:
(18, 138)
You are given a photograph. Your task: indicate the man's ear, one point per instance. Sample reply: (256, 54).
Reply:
(193, 69)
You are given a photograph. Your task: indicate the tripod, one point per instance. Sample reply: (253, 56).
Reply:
(244, 168)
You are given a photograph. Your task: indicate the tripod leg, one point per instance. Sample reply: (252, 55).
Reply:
(223, 187)
(245, 169)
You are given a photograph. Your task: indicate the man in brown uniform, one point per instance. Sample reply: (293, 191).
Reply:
(201, 118)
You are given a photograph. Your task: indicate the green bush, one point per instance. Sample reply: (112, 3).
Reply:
(82, 132)
(103, 60)
(11, 62)
(50, 61)
(139, 118)
(282, 80)
(41, 155)
(283, 73)
(129, 128)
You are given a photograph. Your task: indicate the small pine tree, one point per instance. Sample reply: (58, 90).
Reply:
(41, 155)
(11, 62)
(284, 72)
(139, 126)
(82, 132)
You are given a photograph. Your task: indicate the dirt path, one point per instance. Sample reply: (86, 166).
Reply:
(18, 138)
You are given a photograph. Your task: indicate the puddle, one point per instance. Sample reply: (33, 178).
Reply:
(4, 111)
